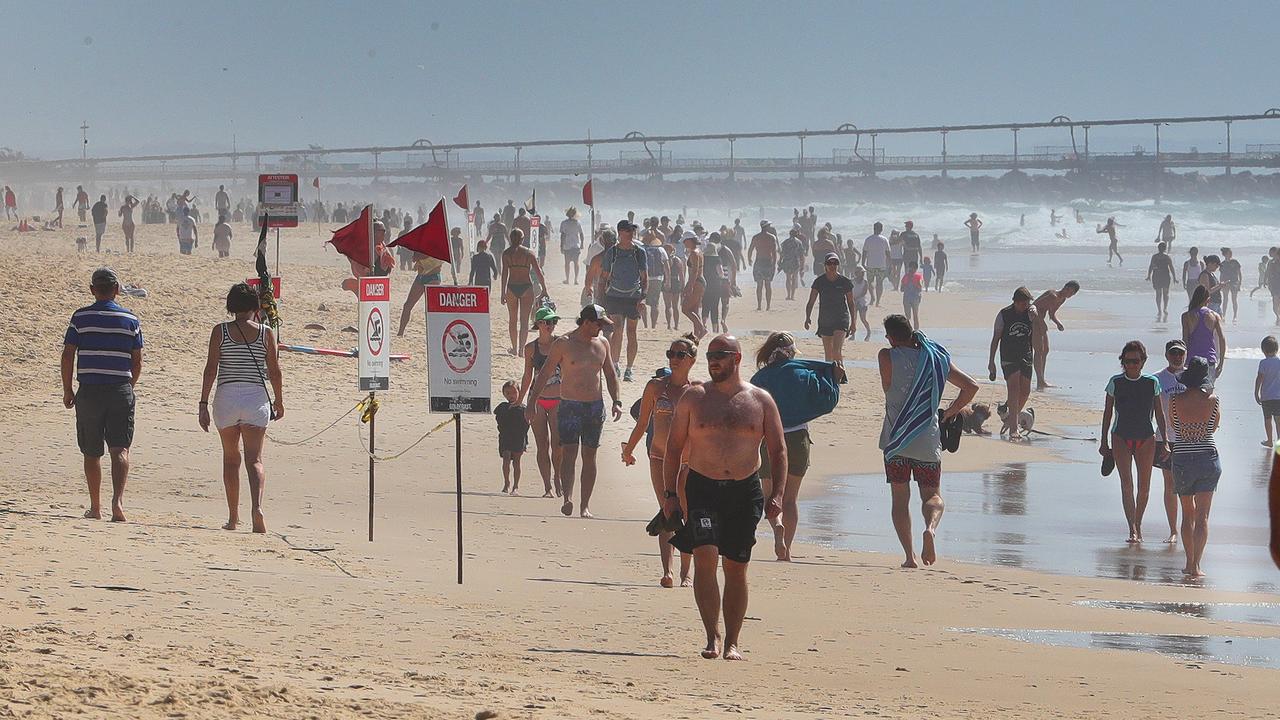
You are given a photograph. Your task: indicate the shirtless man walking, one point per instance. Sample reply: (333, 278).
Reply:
(581, 356)
(717, 429)
(764, 264)
(1047, 306)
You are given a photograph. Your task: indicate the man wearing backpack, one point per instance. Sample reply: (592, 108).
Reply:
(657, 264)
(624, 275)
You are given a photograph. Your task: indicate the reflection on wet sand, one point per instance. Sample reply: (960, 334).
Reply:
(1057, 517)
(1258, 613)
(1259, 652)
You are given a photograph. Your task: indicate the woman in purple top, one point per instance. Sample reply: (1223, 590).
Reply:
(1202, 333)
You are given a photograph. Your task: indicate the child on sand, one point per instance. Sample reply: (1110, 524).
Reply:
(513, 435)
(926, 268)
(1266, 388)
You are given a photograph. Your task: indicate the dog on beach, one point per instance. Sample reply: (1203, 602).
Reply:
(972, 418)
(1026, 418)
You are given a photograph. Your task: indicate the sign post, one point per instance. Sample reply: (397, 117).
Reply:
(458, 364)
(375, 346)
(535, 242)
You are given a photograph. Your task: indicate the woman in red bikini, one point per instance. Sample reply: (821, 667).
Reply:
(546, 436)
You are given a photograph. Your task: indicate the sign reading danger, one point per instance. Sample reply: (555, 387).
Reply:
(458, 349)
(374, 351)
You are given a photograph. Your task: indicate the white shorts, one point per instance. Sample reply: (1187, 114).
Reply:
(241, 403)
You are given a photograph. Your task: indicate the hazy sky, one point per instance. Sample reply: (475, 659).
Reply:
(187, 76)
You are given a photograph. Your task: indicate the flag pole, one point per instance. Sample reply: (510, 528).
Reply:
(453, 261)
(373, 417)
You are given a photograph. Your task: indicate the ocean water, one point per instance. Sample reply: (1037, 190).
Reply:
(1244, 224)
(1064, 517)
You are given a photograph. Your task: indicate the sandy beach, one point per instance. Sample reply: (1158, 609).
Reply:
(168, 616)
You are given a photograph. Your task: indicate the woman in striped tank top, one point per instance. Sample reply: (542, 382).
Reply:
(1196, 469)
(242, 357)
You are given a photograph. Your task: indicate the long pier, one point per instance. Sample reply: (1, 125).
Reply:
(424, 159)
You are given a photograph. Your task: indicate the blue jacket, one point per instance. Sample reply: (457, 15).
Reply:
(804, 390)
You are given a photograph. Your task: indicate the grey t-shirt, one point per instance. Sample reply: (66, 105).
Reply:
(833, 309)
(624, 267)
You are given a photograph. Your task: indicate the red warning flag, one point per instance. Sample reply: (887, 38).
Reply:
(430, 238)
(461, 199)
(588, 195)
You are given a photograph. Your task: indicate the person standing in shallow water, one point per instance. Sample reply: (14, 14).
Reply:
(1110, 231)
(1013, 337)
(657, 406)
(1130, 440)
(1196, 469)
(913, 373)
(975, 225)
(717, 430)
(1160, 273)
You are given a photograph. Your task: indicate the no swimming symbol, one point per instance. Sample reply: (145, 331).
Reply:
(459, 346)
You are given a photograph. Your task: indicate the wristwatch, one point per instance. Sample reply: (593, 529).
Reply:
(671, 494)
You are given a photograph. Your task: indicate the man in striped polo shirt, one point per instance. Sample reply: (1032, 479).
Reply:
(104, 344)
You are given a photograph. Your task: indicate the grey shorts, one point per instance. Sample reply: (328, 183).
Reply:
(104, 413)
(654, 291)
(622, 307)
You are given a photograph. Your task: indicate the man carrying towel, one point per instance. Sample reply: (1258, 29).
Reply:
(913, 372)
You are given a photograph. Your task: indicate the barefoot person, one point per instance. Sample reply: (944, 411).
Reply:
(833, 293)
(803, 390)
(127, 225)
(1195, 416)
(99, 214)
(571, 243)
(1160, 273)
(763, 256)
(1175, 354)
(624, 275)
(913, 373)
(717, 431)
(656, 408)
(1110, 231)
(1047, 307)
(1131, 439)
(1202, 333)
(975, 226)
(103, 348)
(546, 435)
(694, 284)
(519, 265)
(1012, 336)
(242, 357)
(426, 272)
(580, 357)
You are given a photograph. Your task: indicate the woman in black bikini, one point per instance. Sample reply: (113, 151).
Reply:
(546, 433)
(656, 409)
(519, 265)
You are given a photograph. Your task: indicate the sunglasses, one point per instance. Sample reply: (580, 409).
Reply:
(548, 322)
(832, 262)
(714, 355)
(680, 354)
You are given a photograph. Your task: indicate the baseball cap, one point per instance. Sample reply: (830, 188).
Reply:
(1175, 344)
(831, 256)
(545, 313)
(764, 223)
(594, 313)
(105, 277)
(626, 225)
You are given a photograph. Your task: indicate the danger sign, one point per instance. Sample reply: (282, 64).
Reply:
(374, 352)
(458, 349)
